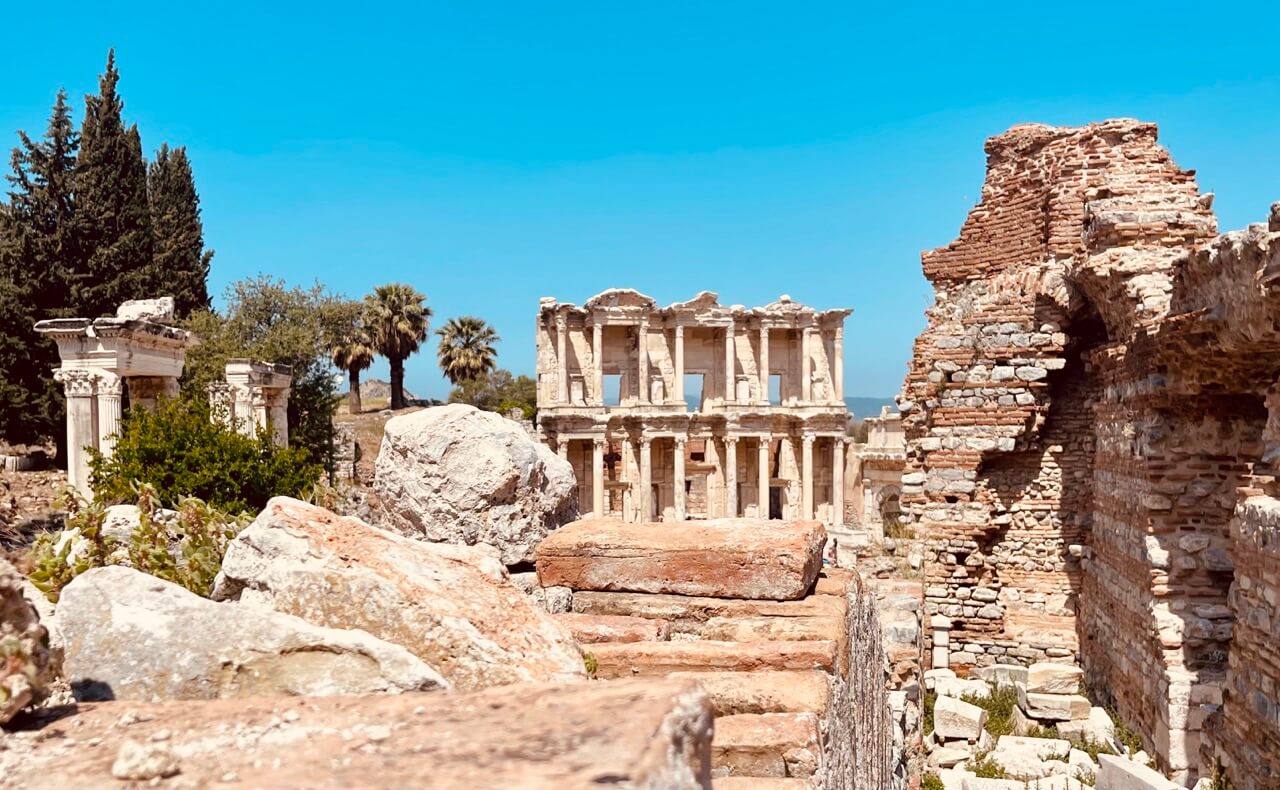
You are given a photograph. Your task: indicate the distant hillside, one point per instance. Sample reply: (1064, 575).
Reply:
(377, 389)
(869, 407)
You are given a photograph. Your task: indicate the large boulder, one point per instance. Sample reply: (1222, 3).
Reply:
(460, 475)
(26, 663)
(721, 558)
(452, 606)
(132, 636)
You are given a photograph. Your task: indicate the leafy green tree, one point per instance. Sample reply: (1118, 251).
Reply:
(466, 349)
(38, 246)
(499, 391)
(111, 203)
(397, 319)
(269, 321)
(352, 349)
(178, 234)
(180, 451)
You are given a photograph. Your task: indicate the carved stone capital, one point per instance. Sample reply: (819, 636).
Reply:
(108, 385)
(76, 383)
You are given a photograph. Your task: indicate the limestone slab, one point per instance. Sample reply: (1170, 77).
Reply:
(764, 691)
(592, 628)
(1119, 773)
(723, 558)
(956, 719)
(661, 658)
(1050, 678)
(767, 744)
(1053, 707)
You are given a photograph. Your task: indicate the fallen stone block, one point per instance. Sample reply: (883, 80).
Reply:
(758, 783)
(978, 783)
(1041, 748)
(534, 737)
(1097, 727)
(452, 606)
(687, 614)
(954, 778)
(1059, 782)
(1119, 773)
(766, 744)
(588, 629)
(1053, 707)
(962, 687)
(135, 637)
(461, 475)
(765, 691)
(723, 558)
(953, 718)
(1002, 674)
(662, 658)
(946, 757)
(552, 600)
(1048, 678)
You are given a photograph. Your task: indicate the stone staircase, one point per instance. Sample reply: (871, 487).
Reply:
(776, 672)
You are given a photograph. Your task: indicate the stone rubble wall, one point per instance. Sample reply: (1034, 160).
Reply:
(1084, 413)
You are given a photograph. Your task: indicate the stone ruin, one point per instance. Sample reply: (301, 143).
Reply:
(132, 358)
(254, 396)
(1092, 419)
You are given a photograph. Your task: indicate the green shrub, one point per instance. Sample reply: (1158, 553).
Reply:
(999, 707)
(186, 548)
(984, 767)
(181, 452)
(932, 782)
(1129, 738)
(930, 699)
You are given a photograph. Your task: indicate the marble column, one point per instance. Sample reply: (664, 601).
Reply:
(597, 362)
(678, 478)
(562, 359)
(731, 477)
(597, 477)
(762, 461)
(108, 391)
(806, 477)
(806, 365)
(764, 365)
(82, 429)
(278, 415)
(642, 358)
(646, 477)
(730, 378)
(562, 448)
(837, 481)
(838, 363)
(679, 353)
(629, 493)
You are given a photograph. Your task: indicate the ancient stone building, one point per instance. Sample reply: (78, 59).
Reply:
(1091, 418)
(109, 363)
(254, 396)
(696, 410)
(874, 497)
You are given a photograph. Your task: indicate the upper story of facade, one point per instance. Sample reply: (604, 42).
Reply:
(621, 352)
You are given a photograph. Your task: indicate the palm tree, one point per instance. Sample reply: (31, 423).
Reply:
(397, 321)
(353, 353)
(466, 349)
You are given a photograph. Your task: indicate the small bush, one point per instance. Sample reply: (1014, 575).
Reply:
(999, 707)
(932, 782)
(930, 699)
(984, 767)
(59, 557)
(896, 529)
(1129, 738)
(181, 452)
(591, 663)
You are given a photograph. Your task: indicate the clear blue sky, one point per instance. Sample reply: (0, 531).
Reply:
(492, 153)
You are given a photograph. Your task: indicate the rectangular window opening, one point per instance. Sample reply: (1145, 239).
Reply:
(612, 384)
(693, 384)
(775, 389)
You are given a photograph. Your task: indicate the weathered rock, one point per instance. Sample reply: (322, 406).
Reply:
(24, 645)
(1039, 748)
(953, 718)
(962, 687)
(533, 737)
(661, 658)
(1118, 773)
(725, 558)
(1049, 678)
(552, 600)
(143, 761)
(766, 744)
(687, 614)
(1053, 707)
(454, 607)
(133, 636)
(592, 628)
(460, 475)
(764, 691)
(1098, 727)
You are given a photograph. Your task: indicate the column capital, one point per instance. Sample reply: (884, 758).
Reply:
(731, 440)
(598, 441)
(808, 436)
(679, 330)
(76, 382)
(681, 440)
(561, 320)
(108, 383)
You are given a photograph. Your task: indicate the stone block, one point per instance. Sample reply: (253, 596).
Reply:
(1119, 773)
(1053, 707)
(765, 691)
(589, 629)
(1050, 678)
(1003, 674)
(724, 558)
(978, 783)
(1041, 748)
(661, 658)
(956, 719)
(766, 745)
(1097, 727)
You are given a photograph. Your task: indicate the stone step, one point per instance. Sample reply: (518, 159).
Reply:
(589, 629)
(759, 783)
(735, 693)
(766, 745)
(621, 660)
(687, 613)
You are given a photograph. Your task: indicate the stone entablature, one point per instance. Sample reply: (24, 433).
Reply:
(736, 453)
(134, 357)
(254, 396)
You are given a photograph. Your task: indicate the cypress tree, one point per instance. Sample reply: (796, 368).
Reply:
(178, 234)
(39, 248)
(111, 180)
